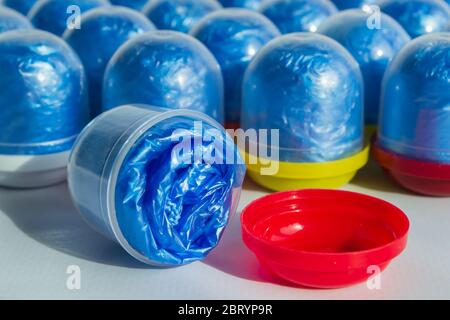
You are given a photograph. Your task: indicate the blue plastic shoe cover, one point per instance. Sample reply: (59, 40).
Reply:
(133, 4)
(234, 36)
(415, 105)
(298, 15)
(178, 15)
(132, 180)
(349, 4)
(311, 89)
(104, 30)
(247, 4)
(22, 6)
(56, 15)
(418, 17)
(167, 69)
(373, 48)
(12, 20)
(43, 94)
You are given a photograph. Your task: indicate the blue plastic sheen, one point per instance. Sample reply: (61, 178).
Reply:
(168, 69)
(247, 4)
(133, 4)
(234, 36)
(22, 6)
(415, 106)
(298, 15)
(178, 15)
(130, 183)
(53, 15)
(349, 4)
(104, 30)
(12, 20)
(311, 89)
(373, 48)
(418, 17)
(43, 96)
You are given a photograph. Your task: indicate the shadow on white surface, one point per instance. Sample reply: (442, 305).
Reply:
(48, 216)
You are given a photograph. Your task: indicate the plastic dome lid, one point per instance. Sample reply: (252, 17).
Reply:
(415, 118)
(168, 69)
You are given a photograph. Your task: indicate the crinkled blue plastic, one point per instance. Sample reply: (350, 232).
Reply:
(22, 6)
(170, 211)
(415, 106)
(248, 4)
(418, 17)
(181, 210)
(311, 89)
(12, 20)
(298, 15)
(234, 36)
(178, 15)
(43, 93)
(133, 4)
(104, 30)
(349, 4)
(52, 15)
(373, 48)
(168, 69)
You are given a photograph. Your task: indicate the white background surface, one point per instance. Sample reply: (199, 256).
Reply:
(41, 234)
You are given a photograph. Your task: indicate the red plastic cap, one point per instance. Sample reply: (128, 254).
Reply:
(324, 238)
(427, 178)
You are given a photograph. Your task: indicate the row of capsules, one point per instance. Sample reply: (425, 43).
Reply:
(313, 87)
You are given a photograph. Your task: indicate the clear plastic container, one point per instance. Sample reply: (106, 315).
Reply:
(44, 107)
(96, 175)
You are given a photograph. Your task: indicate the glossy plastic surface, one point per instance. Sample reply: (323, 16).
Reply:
(423, 177)
(234, 36)
(298, 15)
(183, 204)
(316, 175)
(22, 6)
(54, 15)
(311, 89)
(415, 113)
(133, 4)
(373, 48)
(166, 69)
(350, 4)
(104, 31)
(43, 93)
(247, 4)
(324, 238)
(12, 20)
(178, 15)
(418, 17)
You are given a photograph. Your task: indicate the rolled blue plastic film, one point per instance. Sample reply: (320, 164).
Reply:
(22, 6)
(56, 15)
(12, 20)
(134, 4)
(415, 103)
(168, 69)
(178, 15)
(298, 15)
(247, 4)
(131, 182)
(44, 107)
(349, 4)
(309, 88)
(418, 17)
(234, 36)
(373, 48)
